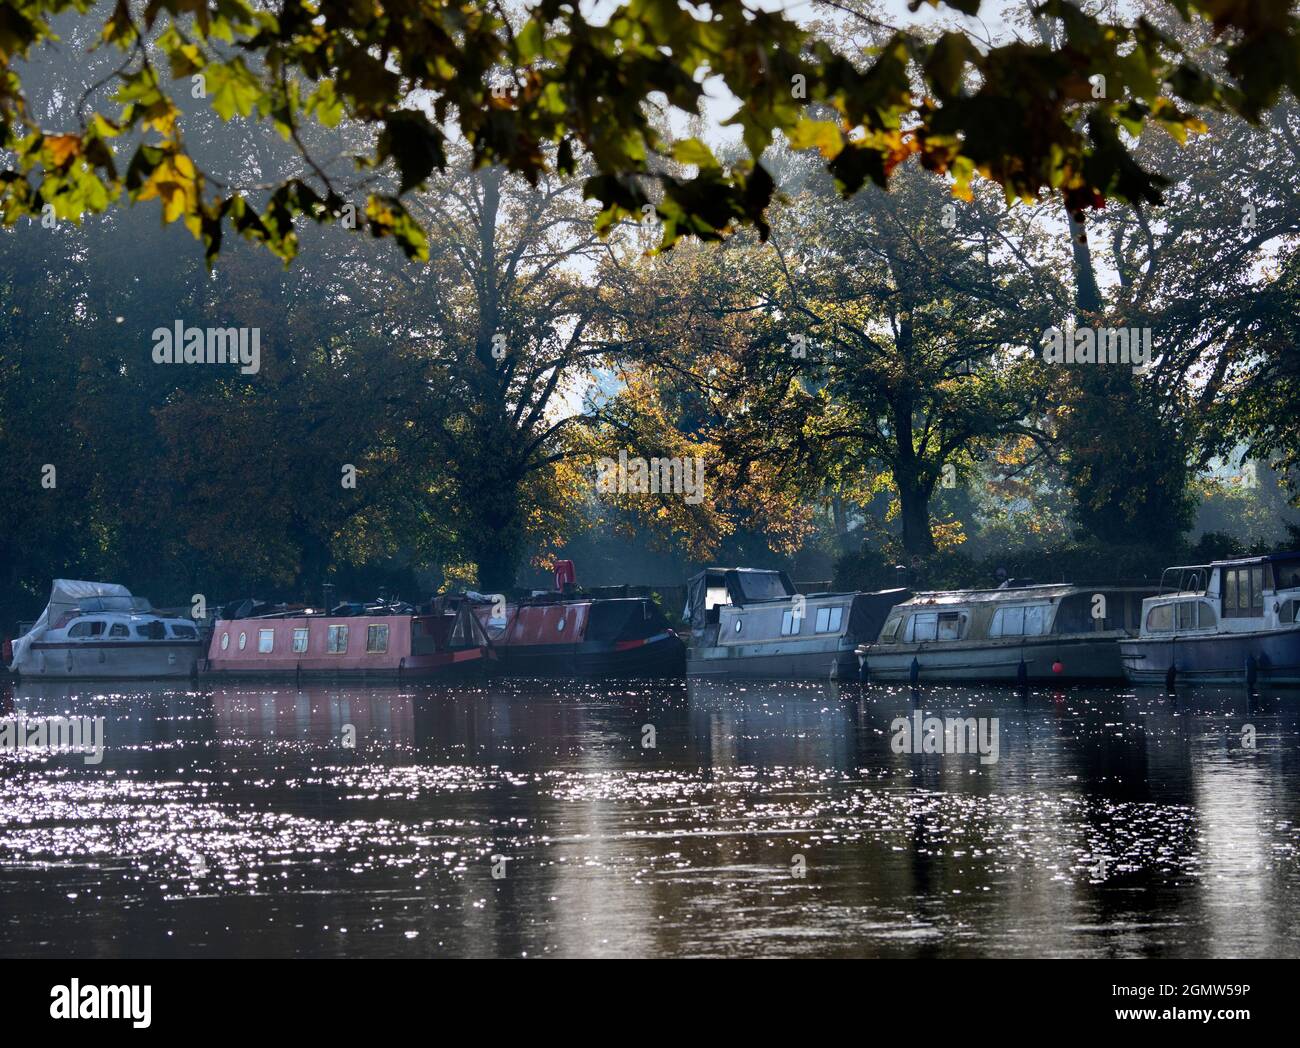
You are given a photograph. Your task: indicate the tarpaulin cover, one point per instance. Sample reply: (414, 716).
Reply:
(66, 595)
(615, 620)
(742, 585)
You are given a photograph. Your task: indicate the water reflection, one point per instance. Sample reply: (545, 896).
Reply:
(651, 819)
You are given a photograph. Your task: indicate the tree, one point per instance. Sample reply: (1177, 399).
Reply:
(1197, 272)
(886, 334)
(1023, 115)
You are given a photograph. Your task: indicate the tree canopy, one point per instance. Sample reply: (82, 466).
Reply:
(538, 90)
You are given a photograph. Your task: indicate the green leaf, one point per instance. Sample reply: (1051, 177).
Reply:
(414, 144)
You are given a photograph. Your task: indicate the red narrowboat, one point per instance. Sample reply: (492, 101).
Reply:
(582, 636)
(349, 642)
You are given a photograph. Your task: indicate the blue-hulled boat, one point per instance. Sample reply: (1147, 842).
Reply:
(1225, 622)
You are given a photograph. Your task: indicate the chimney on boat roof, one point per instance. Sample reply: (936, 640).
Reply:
(566, 575)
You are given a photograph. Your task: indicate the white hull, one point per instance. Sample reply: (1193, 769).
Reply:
(110, 661)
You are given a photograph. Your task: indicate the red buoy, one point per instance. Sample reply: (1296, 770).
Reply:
(1058, 667)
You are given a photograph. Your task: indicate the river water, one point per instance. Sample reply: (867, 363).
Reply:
(657, 819)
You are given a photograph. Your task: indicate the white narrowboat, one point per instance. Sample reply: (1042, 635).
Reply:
(750, 622)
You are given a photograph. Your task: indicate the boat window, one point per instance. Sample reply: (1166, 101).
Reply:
(1035, 620)
(1187, 615)
(924, 626)
(300, 639)
(738, 625)
(243, 640)
(791, 624)
(829, 620)
(154, 630)
(185, 632)
(377, 639)
(118, 629)
(1243, 592)
(1205, 614)
(225, 641)
(86, 629)
(1008, 622)
(265, 641)
(1160, 619)
(889, 635)
(951, 625)
(1286, 613)
(559, 626)
(338, 640)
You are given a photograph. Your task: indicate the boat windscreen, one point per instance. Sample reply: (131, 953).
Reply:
(91, 605)
(762, 585)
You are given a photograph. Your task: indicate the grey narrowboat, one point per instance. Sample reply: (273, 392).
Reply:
(1229, 621)
(750, 622)
(1019, 632)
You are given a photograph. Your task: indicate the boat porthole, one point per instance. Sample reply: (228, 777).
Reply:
(559, 626)
(738, 625)
(225, 641)
(243, 639)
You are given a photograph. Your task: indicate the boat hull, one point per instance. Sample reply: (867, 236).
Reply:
(1089, 658)
(412, 667)
(1219, 658)
(110, 660)
(753, 662)
(661, 657)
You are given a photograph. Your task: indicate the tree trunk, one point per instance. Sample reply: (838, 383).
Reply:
(914, 501)
(498, 566)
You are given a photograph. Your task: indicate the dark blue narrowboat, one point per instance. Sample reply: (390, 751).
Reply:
(1229, 621)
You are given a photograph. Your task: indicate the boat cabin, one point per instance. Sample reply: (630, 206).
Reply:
(1012, 611)
(753, 622)
(1229, 596)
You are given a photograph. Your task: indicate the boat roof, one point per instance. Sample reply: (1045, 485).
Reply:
(1009, 593)
(1260, 558)
(742, 571)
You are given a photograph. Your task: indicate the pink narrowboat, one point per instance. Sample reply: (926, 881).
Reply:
(449, 642)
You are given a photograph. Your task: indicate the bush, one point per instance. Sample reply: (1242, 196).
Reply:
(1081, 562)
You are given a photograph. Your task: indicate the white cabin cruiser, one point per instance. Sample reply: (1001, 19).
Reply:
(1221, 623)
(98, 630)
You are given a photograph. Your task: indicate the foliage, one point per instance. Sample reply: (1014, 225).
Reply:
(537, 91)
